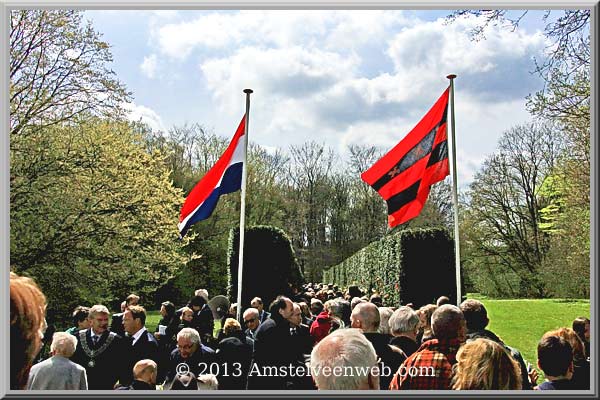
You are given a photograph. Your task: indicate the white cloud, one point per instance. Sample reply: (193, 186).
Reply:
(307, 69)
(144, 114)
(148, 66)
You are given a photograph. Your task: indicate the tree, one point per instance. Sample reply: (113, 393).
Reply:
(503, 213)
(93, 215)
(58, 70)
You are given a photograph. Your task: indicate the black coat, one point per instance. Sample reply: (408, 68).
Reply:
(234, 355)
(391, 357)
(272, 348)
(146, 347)
(406, 344)
(108, 366)
(116, 324)
(138, 385)
(204, 323)
(486, 334)
(197, 363)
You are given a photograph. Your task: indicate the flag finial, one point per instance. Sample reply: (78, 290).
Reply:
(451, 76)
(248, 91)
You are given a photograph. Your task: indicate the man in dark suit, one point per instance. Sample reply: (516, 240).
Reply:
(302, 343)
(141, 344)
(116, 323)
(234, 355)
(203, 320)
(144, 376)
(190, 355)
(258, 304)
(365, 316)
(251, 321)
(100, 352)
(273, 348)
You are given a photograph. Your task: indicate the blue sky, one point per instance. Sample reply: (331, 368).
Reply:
(336, 77)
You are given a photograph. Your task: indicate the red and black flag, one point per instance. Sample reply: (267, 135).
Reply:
(404, 175)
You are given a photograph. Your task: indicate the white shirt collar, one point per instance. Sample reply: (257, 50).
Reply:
(138, 334)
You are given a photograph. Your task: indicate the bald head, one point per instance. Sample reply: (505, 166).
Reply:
(448, 322)
(145, 371)
(366, 317)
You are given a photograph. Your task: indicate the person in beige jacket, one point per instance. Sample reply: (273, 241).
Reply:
(58, 372)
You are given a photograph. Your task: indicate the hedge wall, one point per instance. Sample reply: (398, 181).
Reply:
(270, 265)
(411, 266)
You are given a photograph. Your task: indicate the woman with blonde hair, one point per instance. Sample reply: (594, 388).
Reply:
(27, 325)
(485, 365)
(581, 366)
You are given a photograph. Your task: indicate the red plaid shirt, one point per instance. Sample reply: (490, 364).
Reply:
(439, 355)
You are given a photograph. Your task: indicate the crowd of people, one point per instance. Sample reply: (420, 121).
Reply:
(320, 338)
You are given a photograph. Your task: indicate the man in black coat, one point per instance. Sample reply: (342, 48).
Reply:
(190, 355)
(203, 320)
(258, 304)
(366, 317)
(302, 343)
(404, 326)
(477, 320)
(234, 355)
(116, 324)
(100, 352)
(141, 344)
(144, 376)
(273, 348)
(251, 321)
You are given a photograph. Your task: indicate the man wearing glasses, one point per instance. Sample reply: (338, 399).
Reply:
(190, 355)
(251, 321)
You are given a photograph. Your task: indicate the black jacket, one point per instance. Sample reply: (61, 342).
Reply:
(391, 357)
(146, 347)
(234, 355)
(406, 344)
(108, 366)
(138, 385)
(116, 324)
(272, 348)
(485, 334)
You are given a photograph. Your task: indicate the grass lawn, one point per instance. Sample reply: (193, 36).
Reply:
(521, 323)
(153, 317)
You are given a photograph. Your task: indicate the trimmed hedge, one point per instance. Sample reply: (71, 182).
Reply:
(411, 266)
(270, 265)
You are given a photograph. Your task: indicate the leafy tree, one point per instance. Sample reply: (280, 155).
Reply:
(98, 220)
(503, 214)
(58, 70)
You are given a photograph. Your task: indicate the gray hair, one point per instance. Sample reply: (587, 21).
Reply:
(355, 301)
(384, 316)
(334, 307)
(445, 321)
(98, 309)
(191, 334)
(250, 311)
(344, 351)
(403, 320)
(63, 344)
(368, 315)
(208, 382)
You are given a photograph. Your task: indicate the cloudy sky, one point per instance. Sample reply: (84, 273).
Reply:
(336, 77)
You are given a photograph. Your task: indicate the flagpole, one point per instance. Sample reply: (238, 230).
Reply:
(243, 208)
(455, 195)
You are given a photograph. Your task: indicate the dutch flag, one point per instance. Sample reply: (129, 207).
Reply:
(224, 177)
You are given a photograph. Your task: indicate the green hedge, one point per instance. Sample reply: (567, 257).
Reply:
(270, 265)
(411, 266)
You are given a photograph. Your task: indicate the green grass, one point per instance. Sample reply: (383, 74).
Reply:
(153, 317)
(521, 323)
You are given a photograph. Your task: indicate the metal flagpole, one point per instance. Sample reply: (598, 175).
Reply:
(454, 194)
(243, 208)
